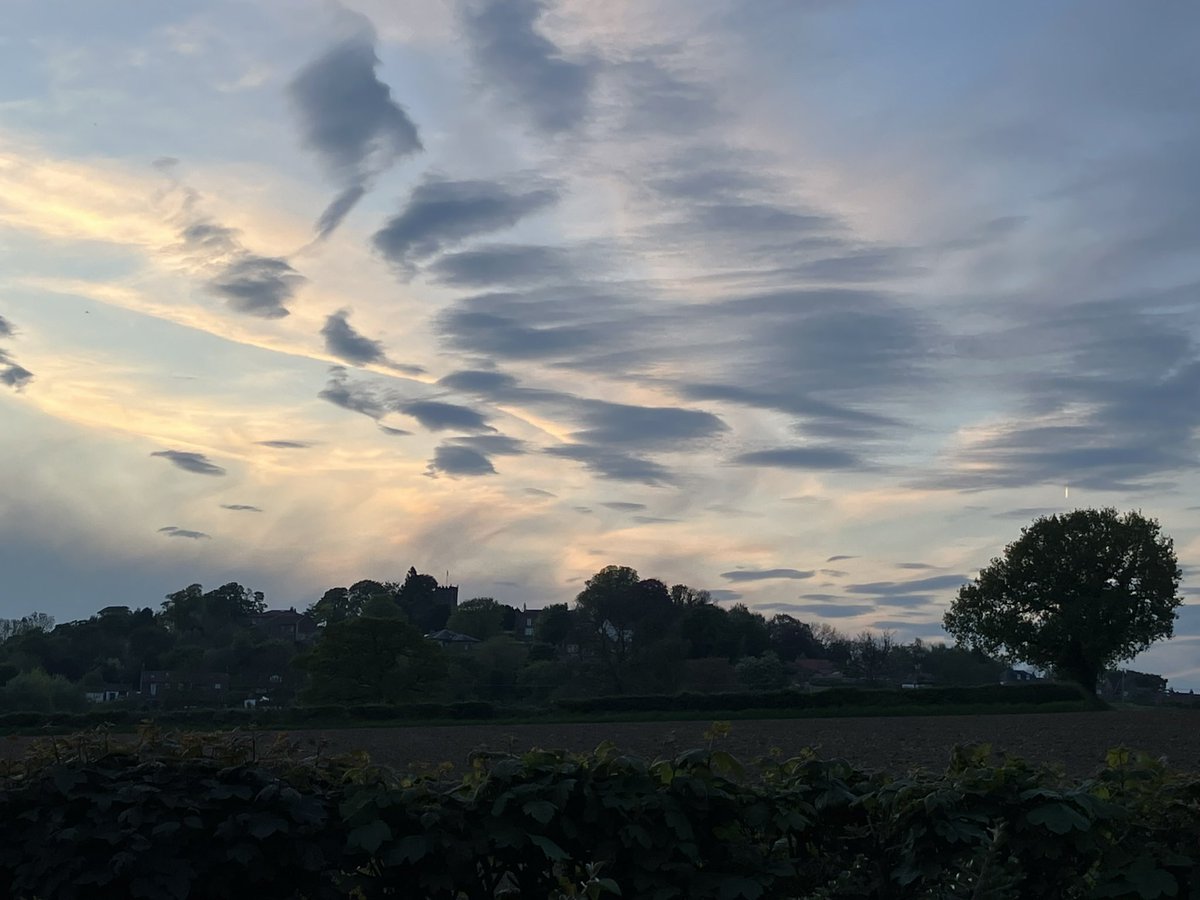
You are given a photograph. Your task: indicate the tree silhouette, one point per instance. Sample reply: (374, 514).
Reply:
(1075, 593)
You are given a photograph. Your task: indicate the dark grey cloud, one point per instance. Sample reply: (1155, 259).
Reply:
(13, 375)
(583, 510)
(394, 432)
(172, 531)
(358, 397)
(805, 611)
(454, 459)
(286, 445)
(1107, 396)
(662, 427)
(819, 596)
(493, 444)
(816, 458)
(833, 573)
(839, 557)
(478, 382)
(240, 507)
(344, 342)
(909, 600)
(892, 589)
(190, 462)
(258, 285)
(614, 464)
(721, 595)
(538, 492)
(349, 119)
(818, 418)
(443, 213)
(435, 415)
(623, 506)
(655, 520)
(834, 610)
(502, 264)
(526, 68)
(6, 328)
(915, 566)
(765, 574)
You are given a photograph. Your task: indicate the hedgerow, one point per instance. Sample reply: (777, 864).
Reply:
(207, 816)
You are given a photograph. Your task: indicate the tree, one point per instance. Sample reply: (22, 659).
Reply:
(792, 639)
(554, 624)
(369, 660)
(762, 673)
(480, 617)
(1075, 593)
(336, 605)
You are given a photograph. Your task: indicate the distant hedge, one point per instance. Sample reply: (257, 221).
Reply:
(848, 697)
(215, 816)
(285, 717)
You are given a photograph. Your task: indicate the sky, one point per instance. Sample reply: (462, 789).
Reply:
(813, 305)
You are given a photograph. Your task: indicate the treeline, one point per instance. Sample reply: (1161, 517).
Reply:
(622, 635)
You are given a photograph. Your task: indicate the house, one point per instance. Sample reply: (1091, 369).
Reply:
(526, 624)
(1017, 676)
(286, 625)
(815, 668)
(106, 693)
(193, 688)
(452, 640)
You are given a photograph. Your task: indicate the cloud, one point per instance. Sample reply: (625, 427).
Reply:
(1028, 512)
(349, 119)
(622, 506)
(454, 459)
(438, 416)
(344, 342)
(172, 531)
(898, 588)
(6, 328)
(765, 574)
(258, 285)
(394, 432)
(661, 427)
(613, 464)
(916, 566)
(248, 282)
(286, 445)
(240, 507)
(817, 458)
(13, 375)
(493, 444)
(654, 520)
(538, 492)
(502, 264)
(821, 610)
(190, 462)
(724, 596)
(354, 396)
(524, 66)
(442, 213)
(839, 557)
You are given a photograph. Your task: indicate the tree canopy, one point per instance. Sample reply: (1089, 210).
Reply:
(1076, 593)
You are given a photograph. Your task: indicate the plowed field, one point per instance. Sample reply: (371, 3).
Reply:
(1075, 741)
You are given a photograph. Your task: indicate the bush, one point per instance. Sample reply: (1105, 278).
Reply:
(208, 816)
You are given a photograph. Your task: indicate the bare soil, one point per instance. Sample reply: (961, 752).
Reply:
(1076, 742)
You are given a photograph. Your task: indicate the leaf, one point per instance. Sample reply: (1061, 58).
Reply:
(408, 849)
(542, 810)
(551, 849)
(263, 826)
(732, 888)
(1058, 818)
(369, 836)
